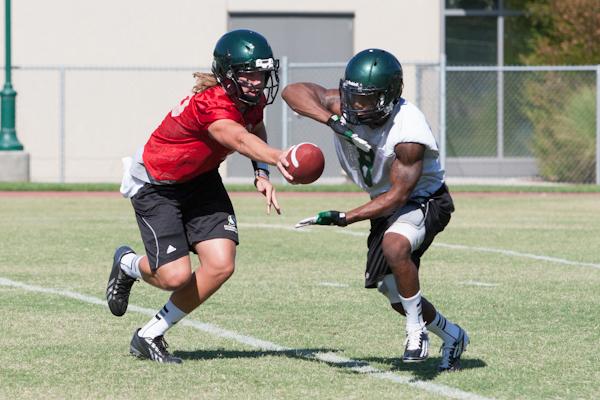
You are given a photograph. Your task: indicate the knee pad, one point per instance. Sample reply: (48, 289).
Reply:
(387, 286)
(411, 225)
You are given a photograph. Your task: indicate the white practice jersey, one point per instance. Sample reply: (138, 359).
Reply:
(405, 124)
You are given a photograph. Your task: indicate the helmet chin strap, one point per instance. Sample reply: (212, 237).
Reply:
(236, 93)
(380, 122)
(379, 117)
(250, 100)
(373, 119)
(375, 123)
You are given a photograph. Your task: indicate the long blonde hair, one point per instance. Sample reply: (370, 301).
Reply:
(204, 81)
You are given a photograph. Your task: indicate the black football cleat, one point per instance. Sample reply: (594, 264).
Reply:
(154, 349)
(417, 346)
(119, 284)
(451, 352)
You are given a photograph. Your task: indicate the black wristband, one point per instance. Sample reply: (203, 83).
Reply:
(342, 219)
(333, 119)
(263, 173)
(260, 166)
(336, 124)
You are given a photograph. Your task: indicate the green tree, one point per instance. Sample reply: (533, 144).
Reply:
(564, 32)
(561, 104)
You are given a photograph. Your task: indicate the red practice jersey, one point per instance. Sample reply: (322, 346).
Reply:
(181, 149)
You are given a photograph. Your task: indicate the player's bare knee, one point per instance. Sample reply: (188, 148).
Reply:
(177, 280)
(222, 271)
(175, 276)
(396, 249)
(227, 270)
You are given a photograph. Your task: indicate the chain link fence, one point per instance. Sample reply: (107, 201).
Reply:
(523, 121)
(531, 122)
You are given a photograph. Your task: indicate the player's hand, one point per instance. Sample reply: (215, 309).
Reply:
(283, 164)
(264, 186)
(339, 127)
(325, 218)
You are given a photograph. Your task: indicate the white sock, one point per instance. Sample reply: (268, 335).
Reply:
(130, 264)
(443, 328)
(168, 316)
(414, 312)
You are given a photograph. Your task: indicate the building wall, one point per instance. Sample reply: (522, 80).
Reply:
(109, 113)
(409, 29)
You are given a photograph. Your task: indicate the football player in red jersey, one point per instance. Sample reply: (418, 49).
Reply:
(179, 199)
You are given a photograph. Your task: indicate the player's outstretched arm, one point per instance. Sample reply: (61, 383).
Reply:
(235, 137)
(404, 174)
(322, 105)
(312, 100)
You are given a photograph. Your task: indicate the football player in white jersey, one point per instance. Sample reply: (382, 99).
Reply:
(386, 147)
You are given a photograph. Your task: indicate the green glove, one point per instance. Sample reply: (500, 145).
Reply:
(325, 218)
(331, 218)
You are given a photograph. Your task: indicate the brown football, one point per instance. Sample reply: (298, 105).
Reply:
(306, 162)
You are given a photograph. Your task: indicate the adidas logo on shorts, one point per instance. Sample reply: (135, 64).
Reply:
(231, 225)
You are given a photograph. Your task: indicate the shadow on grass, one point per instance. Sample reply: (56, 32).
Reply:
(426, 370)
(223, 353)
(422, 371)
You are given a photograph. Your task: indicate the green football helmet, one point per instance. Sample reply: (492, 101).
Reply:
(372, 85)
(243, 53)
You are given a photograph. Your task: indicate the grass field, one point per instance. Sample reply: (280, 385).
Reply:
(520, 272)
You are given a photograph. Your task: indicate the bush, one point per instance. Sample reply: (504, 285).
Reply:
(564, 141)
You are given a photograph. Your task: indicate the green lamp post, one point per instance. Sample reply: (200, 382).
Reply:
(8, 135)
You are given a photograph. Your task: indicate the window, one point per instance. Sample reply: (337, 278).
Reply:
(471, 41)
(476, 28)
(485, 33)
(472, 4)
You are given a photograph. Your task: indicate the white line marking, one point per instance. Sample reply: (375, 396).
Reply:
(361, 367)
(269, 226)
(155, 242)
(333, 284)
(446, 245)
(516, 254)
(475, 283)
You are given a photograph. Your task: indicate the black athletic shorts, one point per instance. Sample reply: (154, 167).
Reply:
(437, 209)
(172, 218)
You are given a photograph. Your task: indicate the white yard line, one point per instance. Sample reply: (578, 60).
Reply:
(333, 284)
(358, 366)
(476, 283)
(271, 226)
(517, 254)
(510, 253)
